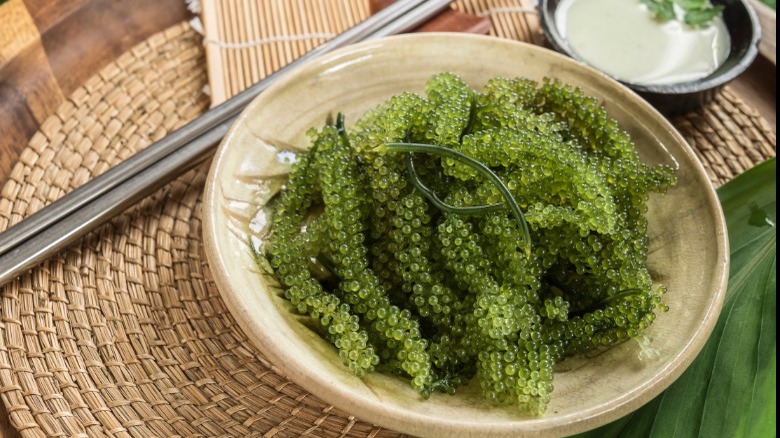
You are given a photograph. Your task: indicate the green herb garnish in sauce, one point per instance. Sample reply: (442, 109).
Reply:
(696, 13)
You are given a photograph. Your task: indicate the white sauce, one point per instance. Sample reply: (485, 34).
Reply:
(621, 38)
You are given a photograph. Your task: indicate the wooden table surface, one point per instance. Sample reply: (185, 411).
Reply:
(49, 48)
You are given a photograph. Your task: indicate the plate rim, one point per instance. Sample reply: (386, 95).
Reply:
(389, 415)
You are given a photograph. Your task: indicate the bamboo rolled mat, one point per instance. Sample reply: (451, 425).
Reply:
(125, 334)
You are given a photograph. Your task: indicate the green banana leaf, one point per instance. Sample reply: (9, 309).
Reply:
(729, 390)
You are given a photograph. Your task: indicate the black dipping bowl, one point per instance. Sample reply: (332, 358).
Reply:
(680, 98)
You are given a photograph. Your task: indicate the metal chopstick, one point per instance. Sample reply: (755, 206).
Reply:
(62, 222)
(126, 169)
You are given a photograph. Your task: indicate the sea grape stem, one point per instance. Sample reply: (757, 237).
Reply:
(476, 165)
(341, 130)
(441, 205)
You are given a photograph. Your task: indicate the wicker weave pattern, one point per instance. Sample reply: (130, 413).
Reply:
(125, 333)
(729, 136)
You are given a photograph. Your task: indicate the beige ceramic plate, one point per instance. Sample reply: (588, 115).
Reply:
(688, 244)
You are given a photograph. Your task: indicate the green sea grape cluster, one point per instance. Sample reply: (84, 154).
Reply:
(430, 275)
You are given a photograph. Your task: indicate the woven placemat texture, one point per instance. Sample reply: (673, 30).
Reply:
(125, 333)
(246, 40)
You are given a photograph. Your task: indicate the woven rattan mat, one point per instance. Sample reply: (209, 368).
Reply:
(125, 333)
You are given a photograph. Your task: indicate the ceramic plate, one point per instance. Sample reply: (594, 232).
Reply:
(688, 243)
